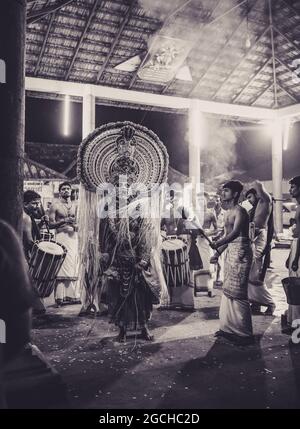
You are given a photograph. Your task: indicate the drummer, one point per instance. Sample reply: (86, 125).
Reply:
(31, 233)
(173, 226)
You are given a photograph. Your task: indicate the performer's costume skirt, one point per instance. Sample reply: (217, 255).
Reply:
(66, 289)
(257, 289)
(235, 314)
(293, 311)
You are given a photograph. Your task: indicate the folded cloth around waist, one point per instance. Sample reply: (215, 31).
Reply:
(237, 264)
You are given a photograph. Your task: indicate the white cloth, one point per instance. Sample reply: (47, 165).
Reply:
(69, 268)
(235, 317)
(293, 311)
(258, 292)
(68, 274)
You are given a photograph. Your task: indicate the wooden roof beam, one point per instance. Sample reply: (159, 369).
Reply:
(297, 48)
(262, 93)
(116, 40)
(249, 83)
(215, 60)
(242, 60)
(37, 15)
(295, 11)
(145, 98)
(86, 27)
(42, 51)
(291, 96)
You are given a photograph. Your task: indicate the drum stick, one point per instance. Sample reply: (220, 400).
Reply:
(208, 239)
(43, 214)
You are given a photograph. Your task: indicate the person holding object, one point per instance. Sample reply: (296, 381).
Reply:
(258, 293)
(32, 221)
(235, 314)
(62, 215)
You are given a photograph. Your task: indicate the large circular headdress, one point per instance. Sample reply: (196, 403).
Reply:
(122, 148)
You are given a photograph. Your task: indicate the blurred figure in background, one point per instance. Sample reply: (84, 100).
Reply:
(16, 298)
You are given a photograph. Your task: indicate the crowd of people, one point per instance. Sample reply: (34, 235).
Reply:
(231, 245)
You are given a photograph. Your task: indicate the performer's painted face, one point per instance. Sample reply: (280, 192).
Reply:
(294, 190)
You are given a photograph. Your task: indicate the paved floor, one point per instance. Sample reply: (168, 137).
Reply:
(186, 367)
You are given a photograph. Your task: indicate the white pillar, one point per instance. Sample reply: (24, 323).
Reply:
(88, 114)
(195, 121)
(277, 137)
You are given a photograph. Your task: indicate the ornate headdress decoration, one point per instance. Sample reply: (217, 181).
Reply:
(122, 149)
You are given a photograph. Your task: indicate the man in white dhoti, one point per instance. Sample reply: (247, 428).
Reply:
(258, 293)
(292, 262)
(62, 217)
(235, 313)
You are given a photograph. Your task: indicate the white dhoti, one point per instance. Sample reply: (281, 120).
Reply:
(258, 292)
(235, 317)
(68, 274)
(235, 313)
(293, 311)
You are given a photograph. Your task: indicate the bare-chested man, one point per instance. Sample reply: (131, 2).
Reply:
(235, 314)
(257, 291)
(293, 261)
(62, 215)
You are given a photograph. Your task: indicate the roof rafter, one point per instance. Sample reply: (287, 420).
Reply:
(160, 26)
(44, 43)
(215, 60)
(249, 83)
(262, 93)
(295, 11)
(297, 48)
(242, 60)
(287, 93)
(35, 16)
(86, 27)
(165, 89)
(116, 40)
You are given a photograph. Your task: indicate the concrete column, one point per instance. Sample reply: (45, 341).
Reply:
(12, 102)
(195, 140)
(88, 114)
(277, 137)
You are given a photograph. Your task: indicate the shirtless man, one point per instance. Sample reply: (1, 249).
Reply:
(62, 215)
(257, 291)
(235, 314)
(292, 263)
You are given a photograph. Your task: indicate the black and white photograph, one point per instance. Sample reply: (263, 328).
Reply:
(149, 208)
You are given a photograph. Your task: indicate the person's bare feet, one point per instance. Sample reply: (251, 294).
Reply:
(146, 334)
(121, 338)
